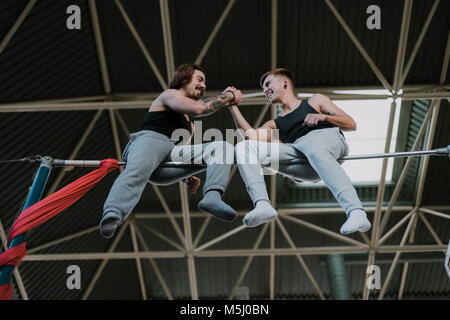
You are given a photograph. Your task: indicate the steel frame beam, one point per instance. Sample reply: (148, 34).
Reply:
(214, 32)
(232, 252)
(143, 101)
(419, 42)
(16, 25)
(407, 9)
(138, 261)
(154, 266)
(359, 46)
(105, 260)
(141, 44)
(273, 177)
(191, 249)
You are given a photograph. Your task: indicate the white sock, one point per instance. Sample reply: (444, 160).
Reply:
(356, 221)
(263, 212)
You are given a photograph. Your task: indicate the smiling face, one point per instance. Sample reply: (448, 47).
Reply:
(196, 88)
(275, 87)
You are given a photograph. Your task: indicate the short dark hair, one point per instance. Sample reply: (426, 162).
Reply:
(183, 75)
(277, 72)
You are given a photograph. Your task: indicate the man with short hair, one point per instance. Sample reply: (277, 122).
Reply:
(152, 145)
(310, 131)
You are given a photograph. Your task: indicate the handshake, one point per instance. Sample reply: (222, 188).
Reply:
(236, 95)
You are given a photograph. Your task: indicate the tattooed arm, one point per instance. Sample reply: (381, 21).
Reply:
(328, 111)
(175, 100)
(213, 104)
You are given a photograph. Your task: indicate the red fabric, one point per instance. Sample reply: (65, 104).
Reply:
(13, 256)
(6, 292)
(47, 208)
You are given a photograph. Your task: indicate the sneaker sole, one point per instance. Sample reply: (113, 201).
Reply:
(223, 217)
(108, 227)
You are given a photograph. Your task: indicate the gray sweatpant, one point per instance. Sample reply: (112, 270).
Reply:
(146, 150)
(317, 151)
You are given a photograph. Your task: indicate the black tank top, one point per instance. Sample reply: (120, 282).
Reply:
(165, 122)
(291, 126)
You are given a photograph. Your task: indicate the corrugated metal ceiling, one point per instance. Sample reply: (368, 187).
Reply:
(46, 61)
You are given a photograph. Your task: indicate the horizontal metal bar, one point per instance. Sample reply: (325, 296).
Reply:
(413, 248)
(281, 211)
(435, 213)
(96, 163)
(250, 97)
(104, 255)
(437, 152)
(203, 253)
(421, 95)
(338, 210)
(230, 253)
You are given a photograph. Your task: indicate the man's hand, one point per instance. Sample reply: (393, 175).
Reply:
(237, 94)
(192, 183)
(312, 119)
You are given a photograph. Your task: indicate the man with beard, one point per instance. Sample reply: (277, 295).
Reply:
(152, 145)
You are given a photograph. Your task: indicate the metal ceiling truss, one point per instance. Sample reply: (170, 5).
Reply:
(190, 249)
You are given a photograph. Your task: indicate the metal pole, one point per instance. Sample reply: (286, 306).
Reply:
(300, 260)
(396, 258)
(233, 252)
(154, 265)
(102, 266)
(16, 25)
(407, 9)
(34, 196)
(141, 44)
(64, 239)
(419, 42)
(100, 49)
(163, 237)
(380, 196)
(213, 34)
(359, 46)
(248, 262)
(436, 152)
(167, 38)
(436, 213)
(404, 172)
(76, 150)
(397, 226)
(137, 103)
(220, 238)
(327, 232)
(138, 261)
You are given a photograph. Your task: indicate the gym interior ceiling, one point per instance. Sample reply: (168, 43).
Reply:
(79, 93)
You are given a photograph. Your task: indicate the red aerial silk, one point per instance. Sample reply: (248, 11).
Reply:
(11, 257)
(46, 209)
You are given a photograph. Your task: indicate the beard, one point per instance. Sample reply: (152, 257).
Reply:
(196, 96)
